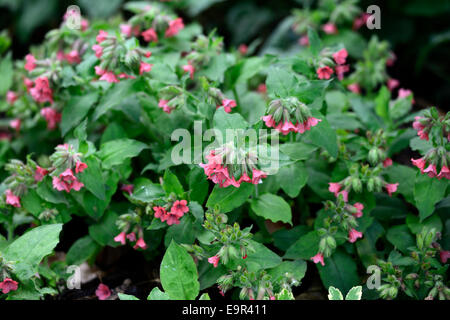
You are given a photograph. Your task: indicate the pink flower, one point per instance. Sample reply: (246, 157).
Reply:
(150, 35)
(304, 41)
(257, 176)
(120, 238)
(359, 207)
(12, 199)
(419, 163)
(11, 97)
(391, 188)
(101, 36)
(127, 188)
(214, 261)
(243, 49)
(353, 235)
(41, 91)
(344, 194)
(189, 68)
(102, 292)
(340, 56)
(228, 104)
(160, 213)
(387, 162)
(51, 116)
(262, 88)
(444, 255)
(123, 75)
(392, 84)
(334, 187)
(73, 57)
(329, 28)
(80, 166)
(445, 173)
(273, 298)
(140, 244)
(269, 121)
(324, 72)
(404, 93)
(127, 30)
(8, 285)
(84, 24)
(360, 21)
(431, 171)
(98, 50)
(179, 208)
(340, 70)
(145, 67)
(164, 105)
(109, 76)
(131, 237)
(67, 181)
(15, 124)
(318, 258)
(174, 27)
(28, 83)
(40, 173)
(30, 62)
(391, 60)
(354, 87)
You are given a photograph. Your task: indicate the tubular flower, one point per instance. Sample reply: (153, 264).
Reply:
(150, 35)
(41, 91)
(102, 292)
(391, 188)
(8, 285)
(324, 72)
(67, 181)
(12, 199)
(318, 258)
(214, 260)
(174, 27)
(51, 116)
(353, 235)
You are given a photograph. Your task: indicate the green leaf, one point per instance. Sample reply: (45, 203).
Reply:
(82, 250)
(105, 230)
(227, 199)
(198, 185)
(272, 207)
(157, 294)
(280, 82)
(314, 41)
(204, 296)
(92, 177)
(6, 70)
(29, 249)
(296, 269)
(172, 184)
(75, 110)
(305, 247)
(427, 192)
(298, 150)
(382, 103)
(117, 151)
(355, 293)
(431, 222)
(178, 274)
(406, 176)
(401, 238)
(324, 136)
(146, 191)
(292, 178)
(262, 257)
(339, 271)
(223, 121)
(334, 294)
(123, 296)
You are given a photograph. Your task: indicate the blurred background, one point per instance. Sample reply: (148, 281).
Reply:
(418, 31)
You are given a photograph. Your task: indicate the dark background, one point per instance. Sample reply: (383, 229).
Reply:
(418, 30)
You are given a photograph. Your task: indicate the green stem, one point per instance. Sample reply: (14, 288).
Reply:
(236, 96)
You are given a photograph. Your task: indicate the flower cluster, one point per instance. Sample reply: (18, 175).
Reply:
(219, 99)
(8, 285)
(223, 169)
(289, 115)
(65, 162)
(172, 216)
(324, 70)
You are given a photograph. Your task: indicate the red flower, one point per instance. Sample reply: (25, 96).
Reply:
(101, 36)
(80, 166)
(174, 27)
(445, 173)
(160, 213)
(431, 171)
(189, 68)
(98, 50)
(318, 258)
(228, 104)
(150, 35)
(15, 124)
(262, 88)
(353, 235)
(145, 67)
(334, 187)
(120, 238)
(41, 91)
(164, 105)
(131, 237)
(243, 49)
(67, 181)
(12, 199)
(324, 72)
(40, 173)
(359, 207)
(392, 84)
(109, 76)
(8, 285)
(51, 116)
(103, 292)
(214, 261)
(30, 62)
(404, 93)
(444, 255)
(140, 244)
(257, 176)
(340, 56)
(340, 70)
(354, 87)
(127, 188)
(179, 208)
(127, 30)
(391, 188)
(387, 162)
(304, 41)
(419, 163)
(73, 57)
